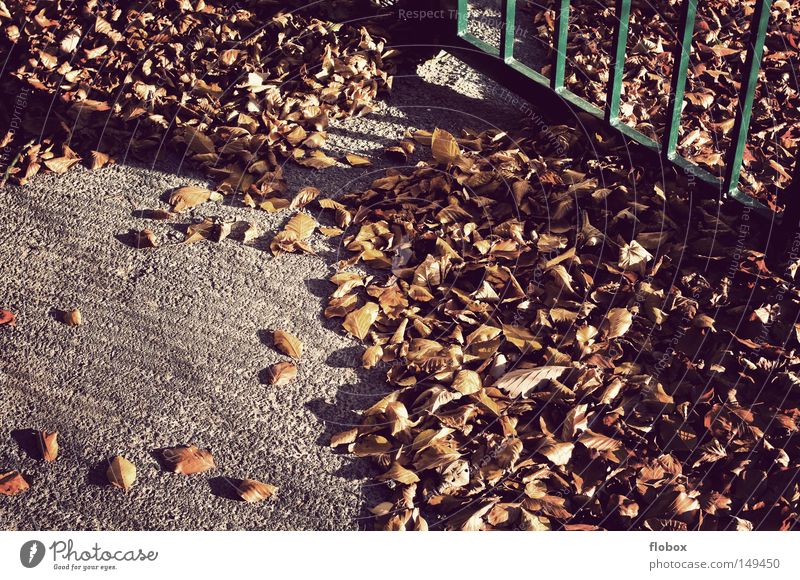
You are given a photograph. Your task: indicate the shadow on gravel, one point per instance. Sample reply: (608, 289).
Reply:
(28, 441)
(343, 412)
(97, 474)
(225, 487)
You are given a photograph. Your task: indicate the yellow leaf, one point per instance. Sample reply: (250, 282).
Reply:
(288, 343)
(304, 197)
(188, 460)
(317, 160)
(444, 146)
(372, 356)
(400, 474)
(558, 453)
(190, 196)
(48, 443)
(121, 473)
(12, 483)
(372, 445)
(359, 321)
(358, 160)
(274, 204)
(617, 322)
(520, 382)
(467, 382)
(302, 224)
(73, 318)
(252, 491)
(282, 373)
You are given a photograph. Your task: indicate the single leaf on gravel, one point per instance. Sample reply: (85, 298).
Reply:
(199, 231)
(359, 321)
(357, 160)
(250, 233)
(617, 322)
(191, 196)
(188, 460)
(317, 160)
(522, 381)
(282, 373)
(288, 344)
(12, 483)
(252, 491)
(121, 473)
(73, 317)
(7, 318)
(144, 239)
(48, 444)
(444, 147)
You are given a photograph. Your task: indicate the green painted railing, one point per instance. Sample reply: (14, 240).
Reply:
(667, 147)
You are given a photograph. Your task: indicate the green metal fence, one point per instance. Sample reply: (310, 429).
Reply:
(667, 147)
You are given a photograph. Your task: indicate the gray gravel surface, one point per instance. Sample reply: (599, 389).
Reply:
(176, 341)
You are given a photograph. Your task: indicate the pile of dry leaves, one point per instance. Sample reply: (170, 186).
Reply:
(721, 39)
(572, 345)
(239, 87)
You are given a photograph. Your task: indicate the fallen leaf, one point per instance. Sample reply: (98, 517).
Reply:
(73, 317)
(253, 491)
(144, 239)
(121, 473)
(358, 160)
(7, 318)
(48, 444)
(304, 197)
(12, 483)
(617, 322)
(444, 147)
(282, 373)
(288, 344)
(358, 322)
(521, 382)
(188, 460)
(191, 196)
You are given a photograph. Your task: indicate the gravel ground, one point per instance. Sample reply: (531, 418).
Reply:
(485, 21)
(176, 342)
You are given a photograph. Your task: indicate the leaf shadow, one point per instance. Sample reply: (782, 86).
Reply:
(28, 441)
(97, 474)
(225, 487)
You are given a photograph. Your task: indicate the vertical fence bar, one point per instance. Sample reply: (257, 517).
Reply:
(617, 68)
(463, 13)
(758, 35)
(560, 33)
(508, 31)
(680, 66)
